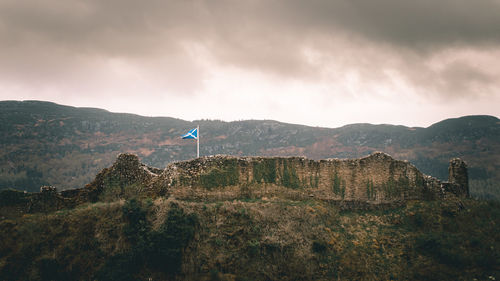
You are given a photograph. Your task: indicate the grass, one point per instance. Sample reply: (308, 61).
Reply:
(254, 239)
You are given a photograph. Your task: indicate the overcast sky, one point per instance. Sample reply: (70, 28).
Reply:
(314, 62)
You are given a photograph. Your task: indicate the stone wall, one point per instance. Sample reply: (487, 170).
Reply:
(377, 178)
(458, 177)
(372, 181)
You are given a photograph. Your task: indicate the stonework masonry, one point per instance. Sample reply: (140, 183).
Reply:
(375, 180)
(458, 176)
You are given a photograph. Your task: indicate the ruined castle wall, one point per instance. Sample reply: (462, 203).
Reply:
(458, 177)
(363, 183)
(377, 178)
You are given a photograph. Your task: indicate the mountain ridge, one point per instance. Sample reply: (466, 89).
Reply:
(89, 108)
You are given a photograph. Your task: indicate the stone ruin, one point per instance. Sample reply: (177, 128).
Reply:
(458, 178)
(375, 180)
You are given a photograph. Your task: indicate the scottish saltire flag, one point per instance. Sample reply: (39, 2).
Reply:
(192, 134)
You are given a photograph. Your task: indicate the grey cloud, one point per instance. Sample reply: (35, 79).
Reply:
(460, 79)
(109, 27)
(163, 23)
(261, 35)
(409, 23)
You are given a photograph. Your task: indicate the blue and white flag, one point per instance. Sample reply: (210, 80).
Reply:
(192, 134)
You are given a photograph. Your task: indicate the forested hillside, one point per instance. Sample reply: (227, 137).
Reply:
(46, 143)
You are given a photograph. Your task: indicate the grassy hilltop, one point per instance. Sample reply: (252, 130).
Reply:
(253, 239)
(121, 227)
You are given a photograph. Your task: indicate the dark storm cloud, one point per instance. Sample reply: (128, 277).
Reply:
(398, 20)
(460, 78)
(423, 22)
(262, 35)
(101, 27)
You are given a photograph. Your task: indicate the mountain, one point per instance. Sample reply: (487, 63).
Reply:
(49, 144)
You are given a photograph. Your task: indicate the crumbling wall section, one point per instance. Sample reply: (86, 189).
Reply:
(372, 181)
(127, 170)
(458, 178)
(377, 178)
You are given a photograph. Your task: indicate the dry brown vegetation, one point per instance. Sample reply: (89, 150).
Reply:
(253, 239)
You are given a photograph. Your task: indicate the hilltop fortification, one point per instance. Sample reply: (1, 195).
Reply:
(252, 218)
(369, 182)
(375, 179)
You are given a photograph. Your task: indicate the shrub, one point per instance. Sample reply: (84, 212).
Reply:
(137, 226)
(159, 251)
(253, 247)
(10, 197)
(49, 269)
(168, 243)
(319, 247)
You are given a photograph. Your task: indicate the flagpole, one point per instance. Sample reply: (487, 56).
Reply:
(198, 143)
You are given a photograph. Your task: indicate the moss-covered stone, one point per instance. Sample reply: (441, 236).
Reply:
(225, 175)
(290, 178)
(264, 171)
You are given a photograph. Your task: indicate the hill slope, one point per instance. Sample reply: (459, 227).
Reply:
(46, 143)
(256, 240)
(228, 218)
